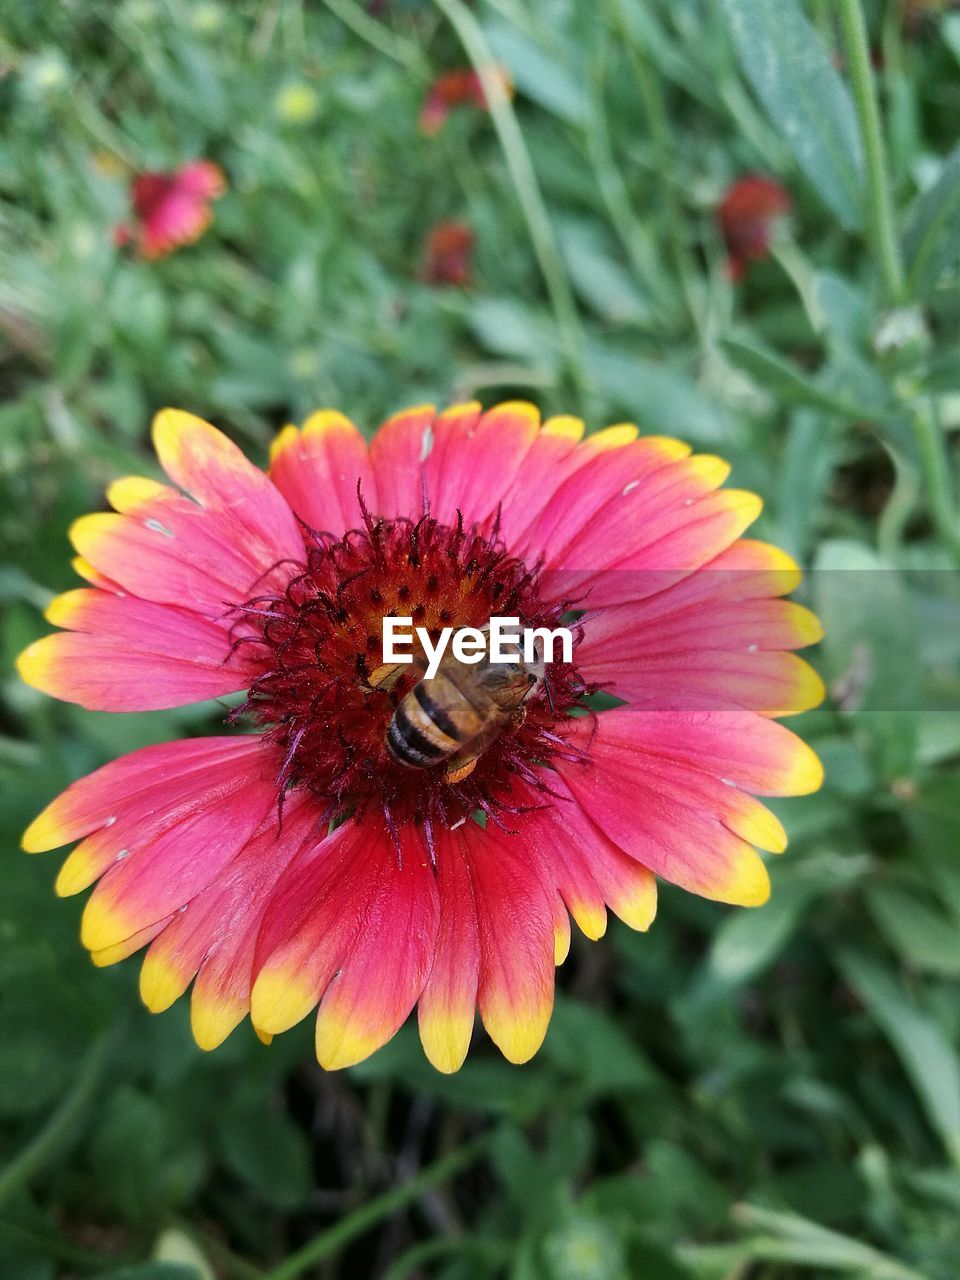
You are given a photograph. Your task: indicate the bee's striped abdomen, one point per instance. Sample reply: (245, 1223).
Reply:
(422, 733)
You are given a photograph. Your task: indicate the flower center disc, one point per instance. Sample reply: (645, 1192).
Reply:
(321, 640)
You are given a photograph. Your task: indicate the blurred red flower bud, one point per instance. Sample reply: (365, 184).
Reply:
(457, 89)
(449, 250)
(746, 215)
(171, 209)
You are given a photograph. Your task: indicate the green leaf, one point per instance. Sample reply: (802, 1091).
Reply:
(844, 308)
(931, 239)
(793, 1238)
(589, 1045)
(927, 1056)
(871, 649)
(748, 941)
(143, 1156)
(792, 73)
(923, 937)
(659, 398)
(17, 1268)
(272, 1157)
(152, 1271)
(601, 281)
(537, 75)
(788, 383)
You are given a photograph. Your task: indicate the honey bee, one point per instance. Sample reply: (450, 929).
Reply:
(454, 717)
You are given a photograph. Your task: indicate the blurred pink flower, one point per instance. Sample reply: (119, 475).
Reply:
(746, 215)
(171, 209)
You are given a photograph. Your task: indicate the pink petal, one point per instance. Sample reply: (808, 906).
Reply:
(384, 973)
(170, 855)
(175, 770)
(666, 788)
(589, 870)
(347, 906)
(125, 654)
(318, 469)
(204, 463)
(475, 456)
(672, 651)
(397, 453)
(515, 919)
(448, 1004)
(214, 938)
(203, 554)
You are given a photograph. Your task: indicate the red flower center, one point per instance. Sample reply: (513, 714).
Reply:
(322, 699)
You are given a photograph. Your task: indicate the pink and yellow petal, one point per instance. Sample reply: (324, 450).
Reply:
(517, 943)
(670, 811)
(588, 869)
(384, 973)
(203, 462)
(318, 471)
(607, 466)
(122, 950)
(447, 1007)
(312, 921)
(166, 863)
(173, 552)
(476, 456)
(101, 798)
(215, 935)
(84, 569)
(771, 683)
(740, 748)
(125, 654)
(397, 454)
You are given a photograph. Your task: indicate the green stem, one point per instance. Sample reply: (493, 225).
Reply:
(376, 35)
(899, 507)
(61, 1125)
(367, 1215)
(24, 1240)
(665, 151)
(460, 1246)
(934, 459)
(936, 473)
(886, 245)
(525, 184)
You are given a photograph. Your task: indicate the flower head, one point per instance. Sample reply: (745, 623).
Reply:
(449, 250)
(746, 215)
(171, 209)
(302, 861)
(456, 89)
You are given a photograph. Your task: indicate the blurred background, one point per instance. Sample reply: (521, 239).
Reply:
(678, 212)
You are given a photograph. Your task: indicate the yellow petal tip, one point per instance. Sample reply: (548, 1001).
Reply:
(212, 1021)
(565, 426)
(445, 1039)
(285, 438)
(323, 421)
(160, 983)
(130, 492)
(279, 1000)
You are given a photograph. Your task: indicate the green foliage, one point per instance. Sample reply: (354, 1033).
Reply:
(772, 1094)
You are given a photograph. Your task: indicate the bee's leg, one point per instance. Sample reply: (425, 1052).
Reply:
(458, 769)
(384, 678)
